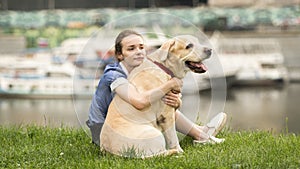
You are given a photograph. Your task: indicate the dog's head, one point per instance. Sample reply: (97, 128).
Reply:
(183, 53)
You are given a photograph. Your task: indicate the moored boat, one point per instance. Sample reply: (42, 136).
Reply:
(50, 80)
(259, 61)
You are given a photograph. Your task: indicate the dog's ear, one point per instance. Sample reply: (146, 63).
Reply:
(165, 48)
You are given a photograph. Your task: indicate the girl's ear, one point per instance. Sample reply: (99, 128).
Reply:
(120, 57)
(165, 48)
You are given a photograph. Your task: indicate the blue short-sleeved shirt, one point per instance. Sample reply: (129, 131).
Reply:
(103, 95)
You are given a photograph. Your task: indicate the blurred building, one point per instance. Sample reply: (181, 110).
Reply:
(65, 4)
(6, 43)
(238, 3)
(27, 5)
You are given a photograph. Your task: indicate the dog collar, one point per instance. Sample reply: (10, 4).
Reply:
(164, 68)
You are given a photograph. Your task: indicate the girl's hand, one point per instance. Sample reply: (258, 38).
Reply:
(172, 99)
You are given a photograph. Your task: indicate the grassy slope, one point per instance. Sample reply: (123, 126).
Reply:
(39, 147)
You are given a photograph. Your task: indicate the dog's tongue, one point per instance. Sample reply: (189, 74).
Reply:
(199, 65)
(203, 67)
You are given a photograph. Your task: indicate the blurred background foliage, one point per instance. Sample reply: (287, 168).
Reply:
(54, 26)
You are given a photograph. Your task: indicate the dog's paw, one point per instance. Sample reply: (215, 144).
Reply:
(177, 148)
(180, 150)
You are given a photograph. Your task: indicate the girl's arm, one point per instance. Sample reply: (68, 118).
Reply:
(142, 100)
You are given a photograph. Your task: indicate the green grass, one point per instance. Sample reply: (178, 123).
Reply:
(45, 147)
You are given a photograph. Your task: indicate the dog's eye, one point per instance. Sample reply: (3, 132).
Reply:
(190, 45)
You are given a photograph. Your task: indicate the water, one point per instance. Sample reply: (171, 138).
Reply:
(265, 108)
(248, 108)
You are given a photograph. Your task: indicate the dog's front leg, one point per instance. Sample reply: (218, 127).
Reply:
(166, 121)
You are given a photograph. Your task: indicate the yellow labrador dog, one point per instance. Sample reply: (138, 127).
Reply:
(149, 132)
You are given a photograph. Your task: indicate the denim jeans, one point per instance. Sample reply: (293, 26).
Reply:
(95, 131)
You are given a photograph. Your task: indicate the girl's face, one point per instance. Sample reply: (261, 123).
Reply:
(133, 51)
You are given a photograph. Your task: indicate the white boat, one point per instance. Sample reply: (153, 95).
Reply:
(194, 83)
(259, 61)
(44, 80)
(71, 70)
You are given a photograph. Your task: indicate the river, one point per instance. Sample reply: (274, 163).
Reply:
(249, 108)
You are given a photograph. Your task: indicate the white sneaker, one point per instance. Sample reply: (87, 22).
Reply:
(217, 140)
(216, 124)
(211, 140)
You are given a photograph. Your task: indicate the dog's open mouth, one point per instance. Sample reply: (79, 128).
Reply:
(197, 67)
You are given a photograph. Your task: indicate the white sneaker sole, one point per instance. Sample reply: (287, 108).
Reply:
(211, 140)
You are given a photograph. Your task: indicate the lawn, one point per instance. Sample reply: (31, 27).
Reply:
(45, 147)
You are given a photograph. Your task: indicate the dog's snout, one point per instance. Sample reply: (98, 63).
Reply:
(207, 51)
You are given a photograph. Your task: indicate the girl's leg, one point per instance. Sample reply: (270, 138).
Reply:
(187, 127)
